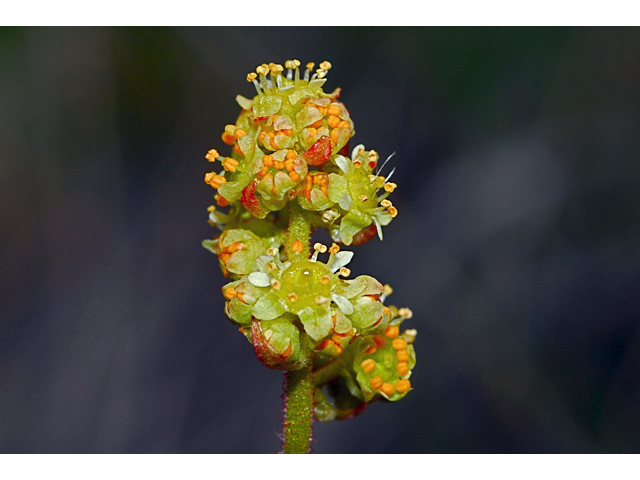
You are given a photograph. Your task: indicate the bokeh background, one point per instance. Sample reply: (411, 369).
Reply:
(516, 245)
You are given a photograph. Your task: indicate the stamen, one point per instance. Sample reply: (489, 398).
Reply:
(392, 331)
(376, 382)
(345, 272)
(403, 385)
(405, 313)
(387, 389)
(384, 163)
(212, 155)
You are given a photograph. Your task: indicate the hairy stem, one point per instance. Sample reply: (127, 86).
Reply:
(300, 388)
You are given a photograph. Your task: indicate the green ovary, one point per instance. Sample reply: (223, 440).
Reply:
(303, 282)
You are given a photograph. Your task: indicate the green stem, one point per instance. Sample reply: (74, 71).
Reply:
(300, 388)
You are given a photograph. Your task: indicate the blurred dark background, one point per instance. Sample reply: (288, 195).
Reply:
(516, 245)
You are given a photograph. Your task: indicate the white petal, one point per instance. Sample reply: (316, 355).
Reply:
(259, 279)
(340, 259)
(378, 227)
(356, 150)
(343, 163)
(343, 304)
(345, 201)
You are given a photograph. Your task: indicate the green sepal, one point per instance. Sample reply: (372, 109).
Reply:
(266, 105)
(352, 223)
(269, 306)
(316, 321)
(368, 315)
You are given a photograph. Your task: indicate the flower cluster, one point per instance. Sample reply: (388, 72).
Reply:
(289, 155)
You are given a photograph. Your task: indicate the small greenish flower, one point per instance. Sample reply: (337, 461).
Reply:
(359, 197)
(331, 310)
(383, 363)
(238, 249)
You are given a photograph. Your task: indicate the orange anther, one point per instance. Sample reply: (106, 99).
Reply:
(403, 385)
(316, 124)
(212, 155)
(236, 148)
(380, 341)
(228, 139)
(312, 132)
(262, 135)
(230, 164)
(291, 155)
(371, 350)
(402, 368)
(293, 175)
(333, 121)
(221, 201)
(229, 293)
(323, 110)
(399, 344)
(288, 165)
(324, 344)
(368, 365)
(273, 144)
(393, 211)
(324, 189)
(402, 356)
(334, 109)
(344, 124)
(297, 246)
(278, 164)
(267, 161)
(234, 247)
(392, 331)
(387, 389)
(287, 132)
(376, 382)
(239, 133)
(287, 351)
(334, 135)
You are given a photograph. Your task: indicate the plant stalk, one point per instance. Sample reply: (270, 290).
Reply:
(300, 388)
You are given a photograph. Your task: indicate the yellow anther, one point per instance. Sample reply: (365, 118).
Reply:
(386, 203)
(373, 156)
(392, 331)
(273, 252)
(402, 356)
(325, 280)
(212, 155)
(251, 77)
(319, 247)
(271, 66)
(403, 385)
(357, 163)
(372, 178)
(275, 284)
(387, 389)
(390, 187)
(363, 198)
(262, 70)
(310, 65)
(292, 297)
(399, 344)
(393, 211)
(405, 313)
(325, 65)
(376, 382)
(387, 290)
(295, 63)
(368, 365)
(320, 299)
(288, 64)
(211, 208)
(345, 272)
(402, 368)
(335, 248)
(321, 73)
(230, 164)
(277, 68)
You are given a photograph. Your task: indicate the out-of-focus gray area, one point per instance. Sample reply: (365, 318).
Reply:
(516, 244)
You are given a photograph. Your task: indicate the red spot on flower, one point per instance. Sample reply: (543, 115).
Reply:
(364, 235)
(320, 152)
(251, 202)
